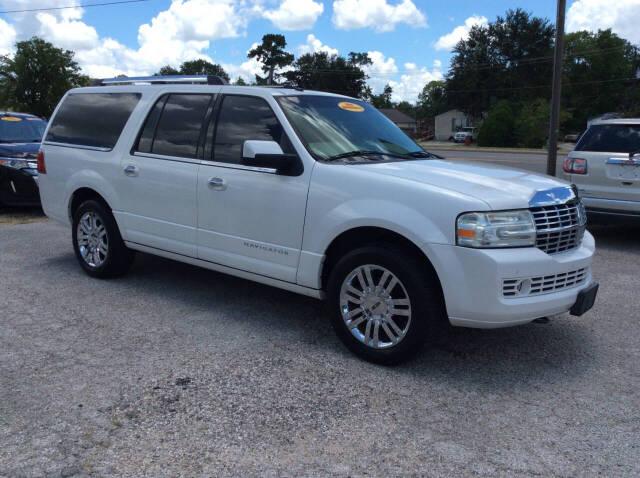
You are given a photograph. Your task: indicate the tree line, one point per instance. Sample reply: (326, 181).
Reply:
(500, 76)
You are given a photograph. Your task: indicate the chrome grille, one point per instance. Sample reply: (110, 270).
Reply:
(543, 284)
(559, 227)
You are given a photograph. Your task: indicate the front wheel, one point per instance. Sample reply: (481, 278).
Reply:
(385, 304)
(97, 242)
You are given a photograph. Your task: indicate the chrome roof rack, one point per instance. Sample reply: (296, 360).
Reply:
(162, 80)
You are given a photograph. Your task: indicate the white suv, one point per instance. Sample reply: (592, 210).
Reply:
(318, 194)
(605, 166)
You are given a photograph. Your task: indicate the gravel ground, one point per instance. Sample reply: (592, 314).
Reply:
(178, 371)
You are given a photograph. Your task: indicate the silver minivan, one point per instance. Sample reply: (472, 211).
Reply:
(605, 166)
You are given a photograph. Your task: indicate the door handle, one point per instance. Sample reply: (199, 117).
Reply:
(217, 183)
(131, 170)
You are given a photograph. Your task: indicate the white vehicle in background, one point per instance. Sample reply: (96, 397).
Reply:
(466, 132)
(318, 194)
(605, 166)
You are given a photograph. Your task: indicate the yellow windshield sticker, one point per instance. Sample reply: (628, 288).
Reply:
(10, 118)
(345, 105)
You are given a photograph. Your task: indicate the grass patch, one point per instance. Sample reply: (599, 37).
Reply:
(11, 216)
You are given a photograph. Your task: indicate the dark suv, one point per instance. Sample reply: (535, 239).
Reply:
(20, 136)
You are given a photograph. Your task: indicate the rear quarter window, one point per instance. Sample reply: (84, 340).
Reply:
(92, 119)
(610, 138)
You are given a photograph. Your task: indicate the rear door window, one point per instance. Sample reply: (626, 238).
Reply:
(92, 119)
(610, 138)
(245, 118)
(179, 126)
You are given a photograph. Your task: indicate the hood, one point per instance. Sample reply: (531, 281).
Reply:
(499, 187)
(19, 150)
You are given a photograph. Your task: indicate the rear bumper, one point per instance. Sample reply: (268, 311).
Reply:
(612, 210)
(472, 282)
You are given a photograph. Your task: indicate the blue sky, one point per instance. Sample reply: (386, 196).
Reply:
(409, 40)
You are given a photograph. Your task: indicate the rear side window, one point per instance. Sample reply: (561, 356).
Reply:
(92, 119)
(174, 125)
(245, 118)
(611, 138)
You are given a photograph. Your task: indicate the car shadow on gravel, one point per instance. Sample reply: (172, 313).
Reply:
(519, 356)
(622, 238)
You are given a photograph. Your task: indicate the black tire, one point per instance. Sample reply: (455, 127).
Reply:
(118, 257)
(428, 316)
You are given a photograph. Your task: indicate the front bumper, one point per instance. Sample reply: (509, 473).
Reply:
(18, 187)
(473, 282)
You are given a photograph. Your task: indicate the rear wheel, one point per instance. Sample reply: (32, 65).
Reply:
(384, 304)
(97, 242)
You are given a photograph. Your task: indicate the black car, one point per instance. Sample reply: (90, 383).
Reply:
(20, 136)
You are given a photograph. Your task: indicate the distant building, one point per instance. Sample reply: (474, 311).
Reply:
(402, 120)
(449, 122)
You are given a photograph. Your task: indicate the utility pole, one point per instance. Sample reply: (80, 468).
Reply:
(556, 89)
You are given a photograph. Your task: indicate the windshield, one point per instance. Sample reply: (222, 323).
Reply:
(16, 129)
(331, 126)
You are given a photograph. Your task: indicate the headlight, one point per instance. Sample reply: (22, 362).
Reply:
(496, 229)
(18, 163)
(27, 166)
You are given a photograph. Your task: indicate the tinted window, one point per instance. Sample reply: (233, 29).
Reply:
(149, 129)
(92, 119)
(611, 138)
(178, 130)
(245, 118)
(21, 129)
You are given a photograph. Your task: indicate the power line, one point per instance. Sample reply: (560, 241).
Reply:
(73, 6)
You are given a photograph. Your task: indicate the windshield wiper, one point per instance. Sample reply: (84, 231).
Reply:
(350, 154)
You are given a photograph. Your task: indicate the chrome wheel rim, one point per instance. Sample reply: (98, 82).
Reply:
(92, 238)
(375, 306)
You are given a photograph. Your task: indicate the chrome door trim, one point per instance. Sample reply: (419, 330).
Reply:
(239, 166)
(167, 158)
(78, 146)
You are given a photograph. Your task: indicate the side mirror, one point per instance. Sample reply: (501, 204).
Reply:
(269, 155)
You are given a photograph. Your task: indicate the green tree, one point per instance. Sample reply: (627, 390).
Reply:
(332, 73)
(240, 82)
(203, 67)
(271, 53)
(406, 108)
(599, 71)
(194, 67)
(510, 58)
(432, 100)
(531, 127)
(37, 76)
(497, 128)
(383, 100)
(167, 70)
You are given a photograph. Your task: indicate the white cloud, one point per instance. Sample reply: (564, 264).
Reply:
(619, 15)
(7, 37)
(376, 14)
(413, 80)
(182, 32)
(314, 45)
(295, 14)
(461, 32)
(247, 70)
(381, 70)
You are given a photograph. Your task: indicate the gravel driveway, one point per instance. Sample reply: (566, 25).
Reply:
(178, 371)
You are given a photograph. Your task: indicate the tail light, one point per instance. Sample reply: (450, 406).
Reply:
(42, 169)
(575, 166)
